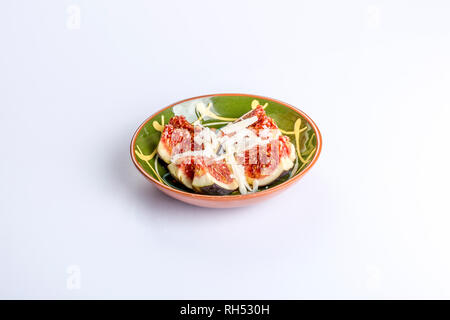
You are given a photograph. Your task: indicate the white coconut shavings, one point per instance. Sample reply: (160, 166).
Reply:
(237, 126)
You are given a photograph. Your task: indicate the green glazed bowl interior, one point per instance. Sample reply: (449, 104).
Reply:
(215, 111)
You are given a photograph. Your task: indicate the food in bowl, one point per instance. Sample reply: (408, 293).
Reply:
(242, 156)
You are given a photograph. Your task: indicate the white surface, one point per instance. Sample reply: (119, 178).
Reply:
(371, 220)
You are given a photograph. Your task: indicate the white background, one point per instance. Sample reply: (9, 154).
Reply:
(370, 220)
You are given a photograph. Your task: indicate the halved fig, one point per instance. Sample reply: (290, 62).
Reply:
(177, 137)
(264, 164)
(213, 177)
(263, 122)
(262, 126)
(183, 171)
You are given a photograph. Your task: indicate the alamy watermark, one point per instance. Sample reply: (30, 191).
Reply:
(73, 20)
(73, 280)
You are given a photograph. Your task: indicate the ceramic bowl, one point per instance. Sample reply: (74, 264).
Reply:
(215, 111)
